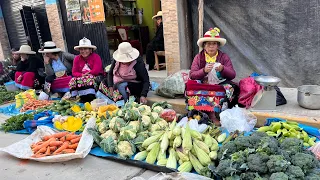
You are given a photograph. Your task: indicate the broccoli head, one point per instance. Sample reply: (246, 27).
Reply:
(312, 176)
(251, 176)
(225, 168)
(244, 142)
(227, 149)
(295, 172)
(292, 145)
(258, 162)
(279, 176)
(268, 145)
(277, 163)
(259, 134)
(306, 162)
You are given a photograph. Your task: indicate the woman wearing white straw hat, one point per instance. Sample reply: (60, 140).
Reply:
(87, 67)
(157, 43)
(211, 71)
(27, 73)
(127, 76)
(58, 68)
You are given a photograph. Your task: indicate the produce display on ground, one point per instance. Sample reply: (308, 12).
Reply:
(15, 123)
(62, 107)
(59, 143)
(5, 96)
(34, 104)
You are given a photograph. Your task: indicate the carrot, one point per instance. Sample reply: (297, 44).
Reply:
(73, 146)
(48, 151)
(70, 137)
(66, 151)
(53, 148)
(45, 144)
(63, 139)
(38, 155)
(64, 146)
(55, 143)
(42, 150)
(57, 135)
(75, 140)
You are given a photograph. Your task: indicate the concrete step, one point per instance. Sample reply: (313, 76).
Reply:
(178, 105)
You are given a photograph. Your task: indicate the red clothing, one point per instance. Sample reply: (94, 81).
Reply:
(94, 62)
(199, 63)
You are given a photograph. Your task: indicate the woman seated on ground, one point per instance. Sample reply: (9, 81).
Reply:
(58, 68)
(127, 76)
(208, 59)
(87, 68)
(10, 65)
(28, 70)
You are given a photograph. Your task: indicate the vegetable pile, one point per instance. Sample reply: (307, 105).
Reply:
(62, 107)
(260, 156)
(283, 130)
(15, 123)
(59, 143)
(34, 104)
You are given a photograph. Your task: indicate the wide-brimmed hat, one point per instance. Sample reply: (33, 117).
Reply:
(125, 53)
(25, 49)
(85, 43)
(49, 47)
(159, 14)
(212, 35)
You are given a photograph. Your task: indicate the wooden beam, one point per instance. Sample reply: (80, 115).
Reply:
(201, 14)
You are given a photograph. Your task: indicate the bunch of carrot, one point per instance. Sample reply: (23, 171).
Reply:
(59, 143)
(34, 104)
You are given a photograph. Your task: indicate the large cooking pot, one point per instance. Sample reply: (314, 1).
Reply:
(309, 96)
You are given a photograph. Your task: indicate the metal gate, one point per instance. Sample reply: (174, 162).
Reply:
(76, 30)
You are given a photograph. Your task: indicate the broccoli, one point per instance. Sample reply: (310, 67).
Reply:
(225, 168)
(312, 176)
(279, 176)
(258, 162)
(294, 172)
(226, 150)
(268, 145)
(277, 163)
(244, 142)
(305, 161)
(251, 176)
(292, 145)
(259, 134)
(236, 177)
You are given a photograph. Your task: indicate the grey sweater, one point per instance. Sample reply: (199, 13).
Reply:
(67, 60)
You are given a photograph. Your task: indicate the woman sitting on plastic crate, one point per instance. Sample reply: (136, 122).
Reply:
(87, 70)
(58, 67)
(127, 76)
(29, 70)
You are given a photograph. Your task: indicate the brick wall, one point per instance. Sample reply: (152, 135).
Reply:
(55, 24)
(171, 35)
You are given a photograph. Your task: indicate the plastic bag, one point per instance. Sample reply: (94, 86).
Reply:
(315, 149)
(174, 85)
(22, 148)
(168, 115)
(213, 77)
(24, 97)
(237, 119)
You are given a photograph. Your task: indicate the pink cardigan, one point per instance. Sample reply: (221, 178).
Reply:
(94, 62)
(199, 62)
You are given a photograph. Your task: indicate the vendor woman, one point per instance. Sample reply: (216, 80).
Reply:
(87, 67)
(58, 68)
(27, 73)
(208, 59)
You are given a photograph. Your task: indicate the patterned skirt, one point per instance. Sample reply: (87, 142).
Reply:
(82, 85)
(113, 95)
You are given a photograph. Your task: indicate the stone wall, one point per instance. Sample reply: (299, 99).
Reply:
(4, 40)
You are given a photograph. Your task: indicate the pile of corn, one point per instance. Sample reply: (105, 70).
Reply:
(187, 149)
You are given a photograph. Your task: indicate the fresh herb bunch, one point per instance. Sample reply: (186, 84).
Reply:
(15, 123)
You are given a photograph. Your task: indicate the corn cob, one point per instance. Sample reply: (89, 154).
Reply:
(151, 146)
(164, 143)
(141, 156)
(213, 155)
(208, 140)
(180, 162)
(153, 154)
(176, 131)
(202, 146)
(177, 142)
(185, 167)
(162, 155)
(162, 162)
(196, 135)
(187, 141)
(182, 156)
(195, 163)
(172, 160)
(202, 156)
(151, 140)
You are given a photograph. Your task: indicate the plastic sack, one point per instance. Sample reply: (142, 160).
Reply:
(315, 149)
(213, 77)
(43, 96)
(174, 85)
(22, 148)
(24, 97)
(168, 115)
(237, 119)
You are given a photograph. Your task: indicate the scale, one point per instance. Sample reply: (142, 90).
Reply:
(266, 98)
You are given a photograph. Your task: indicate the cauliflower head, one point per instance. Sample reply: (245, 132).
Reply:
(109, 133)
(116, 124)
(157, 109)
(146, 121)
(145, 110)
(125, 149)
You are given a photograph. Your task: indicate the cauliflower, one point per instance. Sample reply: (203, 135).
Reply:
(146, 121)
(163, 124)
(145, 110)
(279, 176)
(127, 133)
(154, 117)
(119, 113)
(277, 163)
(157, 109)
(134, 124)
(116, 124)
(109, 133)
(103, 127)
(125, 149)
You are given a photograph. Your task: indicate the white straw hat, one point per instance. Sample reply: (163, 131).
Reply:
(212, 35)
(125, 53)
(85, 43)
(159, 14)
(49, 47)
(25, 49)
